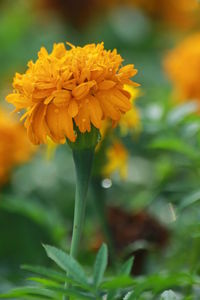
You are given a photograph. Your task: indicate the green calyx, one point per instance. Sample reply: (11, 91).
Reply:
(86, 140)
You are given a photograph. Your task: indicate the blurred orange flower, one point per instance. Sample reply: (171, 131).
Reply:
(130, 120)
(15, 148)
(117, 159)
(175, 12)
(82, 85)
(182, 65)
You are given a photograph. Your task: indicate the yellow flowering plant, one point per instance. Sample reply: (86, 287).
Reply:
(182, 65)
(67, 95)
(15, 149)
(179, 14)
(117, 156)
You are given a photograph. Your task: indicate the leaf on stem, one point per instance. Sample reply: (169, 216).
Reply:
(67, 263)
(100, 265)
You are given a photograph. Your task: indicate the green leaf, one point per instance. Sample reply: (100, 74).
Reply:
(179, 113)
(36, 212)
(127, 267)
(174, 144)
(67, 263)
(168, 295)
(118, 282)
(35, 298)
(49, 283)
(100, 265)
(44, 281)
(47, 272)
(21, 292)
(111, 295)
(51, 293)
(128, 295)
(74, 292)
(190, 199)
(160, 282)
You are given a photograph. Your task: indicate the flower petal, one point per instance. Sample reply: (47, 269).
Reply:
(73, 108)
(59, 123)
(36, 125)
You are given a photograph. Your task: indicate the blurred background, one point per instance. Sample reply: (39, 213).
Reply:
(144, 195)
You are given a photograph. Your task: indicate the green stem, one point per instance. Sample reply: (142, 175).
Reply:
(83, 164)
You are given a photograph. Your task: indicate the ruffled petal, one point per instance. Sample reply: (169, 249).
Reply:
(82, 119)
(109, 110)
(37, 129)
(73, 108)
(60, 124)
(18, 100)
(95, 111)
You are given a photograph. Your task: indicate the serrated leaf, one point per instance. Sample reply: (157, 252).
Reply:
(67, 263)
(127, 267)
(100, 265)
(168, 295)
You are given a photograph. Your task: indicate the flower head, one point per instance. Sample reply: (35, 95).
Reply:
(117, 160)
(69, 89)
(183, 68)
(15, 148)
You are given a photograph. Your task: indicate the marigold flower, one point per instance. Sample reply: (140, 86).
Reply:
(182, 65)
(78, 87)
(117, 160)
(15, 148)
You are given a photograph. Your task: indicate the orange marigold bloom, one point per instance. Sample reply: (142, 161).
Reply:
(15, 148)
(65, 89)
(182, 65)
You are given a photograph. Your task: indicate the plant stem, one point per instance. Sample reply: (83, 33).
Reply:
(83, 164)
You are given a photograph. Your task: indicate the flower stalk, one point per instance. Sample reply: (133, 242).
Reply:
(83, 165)
(83, 152)
(83, 159)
